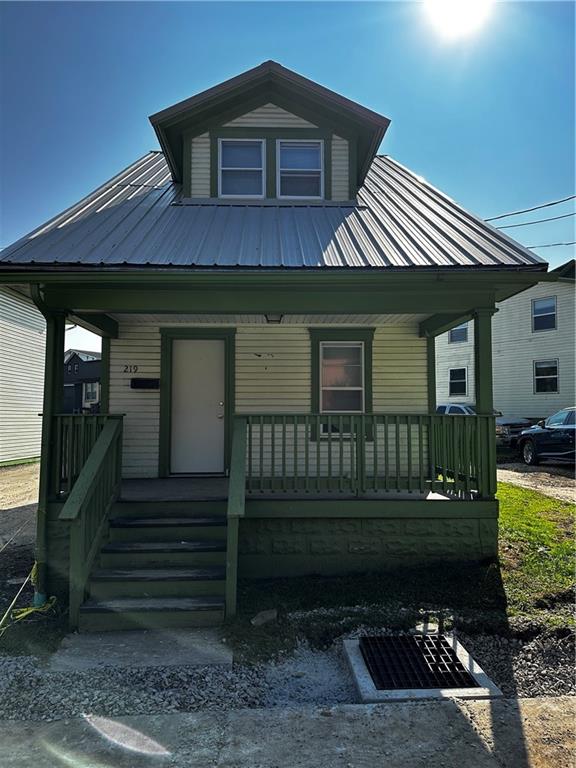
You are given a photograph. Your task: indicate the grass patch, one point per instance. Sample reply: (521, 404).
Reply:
(536, 549)
(531, 585)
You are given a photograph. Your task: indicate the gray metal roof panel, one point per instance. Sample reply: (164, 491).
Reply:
(139, 218)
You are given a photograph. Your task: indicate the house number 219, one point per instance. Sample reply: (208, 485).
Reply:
(130, 369)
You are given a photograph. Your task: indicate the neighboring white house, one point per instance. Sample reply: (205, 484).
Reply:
(532, 353)
(22, 344)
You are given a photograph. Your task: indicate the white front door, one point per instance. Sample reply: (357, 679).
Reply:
(198, 422)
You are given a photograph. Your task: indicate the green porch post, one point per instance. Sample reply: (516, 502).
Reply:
(52, 404)
(431, 372)
(484, 396)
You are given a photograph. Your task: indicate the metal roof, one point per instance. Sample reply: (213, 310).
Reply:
(139, 219)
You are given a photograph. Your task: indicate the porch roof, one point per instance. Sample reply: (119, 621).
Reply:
(139, 219)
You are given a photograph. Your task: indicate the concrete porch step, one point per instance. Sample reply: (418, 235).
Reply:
(110, 583)
(149, 613)
(165, 528)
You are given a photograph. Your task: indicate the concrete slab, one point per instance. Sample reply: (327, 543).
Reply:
(369, 694)
(529, 733)
(147, 648)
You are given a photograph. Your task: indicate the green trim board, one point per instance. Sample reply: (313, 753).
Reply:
(431, 373)
(369, 508)
(105, 376)
(17, 462)
(168, 335)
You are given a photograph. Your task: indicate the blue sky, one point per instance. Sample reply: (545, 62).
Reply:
(488, 119)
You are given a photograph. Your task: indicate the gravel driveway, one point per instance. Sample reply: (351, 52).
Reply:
(557, 482)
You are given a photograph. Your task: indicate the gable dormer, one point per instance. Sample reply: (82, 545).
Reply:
(269, 134)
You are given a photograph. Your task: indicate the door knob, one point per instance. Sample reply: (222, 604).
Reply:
(220, 416)
(221, 404)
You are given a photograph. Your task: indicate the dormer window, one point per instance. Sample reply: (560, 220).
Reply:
(241, 168)
(300, 169)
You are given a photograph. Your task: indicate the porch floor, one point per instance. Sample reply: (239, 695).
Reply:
(216, 489)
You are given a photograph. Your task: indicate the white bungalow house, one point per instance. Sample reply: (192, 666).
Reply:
(268, 289)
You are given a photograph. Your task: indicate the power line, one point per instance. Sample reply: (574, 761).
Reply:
(538, 221)
(551, 245)
(535, 208)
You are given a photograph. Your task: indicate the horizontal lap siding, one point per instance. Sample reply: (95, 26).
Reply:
(137, 345)
(269, 116)
(340, 175)
(273, 375)
(22, 350)
(200, 161)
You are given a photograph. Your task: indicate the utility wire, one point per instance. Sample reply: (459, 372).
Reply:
(551, 245)
(535, 208)
(538, 221)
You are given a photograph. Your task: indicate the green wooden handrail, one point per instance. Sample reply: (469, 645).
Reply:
(86, 510)
(85, 482)
(235, 510)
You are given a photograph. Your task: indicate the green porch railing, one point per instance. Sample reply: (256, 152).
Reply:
(74, 438)
(366, 453)
(87, 507)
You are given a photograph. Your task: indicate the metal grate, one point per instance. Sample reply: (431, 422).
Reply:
(415, 661)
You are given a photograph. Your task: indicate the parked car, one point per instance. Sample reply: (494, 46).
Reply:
(507, 430)
(550, 439)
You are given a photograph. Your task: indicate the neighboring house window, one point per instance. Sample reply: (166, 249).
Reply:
(341, 377)
(299, 166)
(458, 382)
(75, 367)
(545, 376)
(91, 391)
(544, 314)
(458, 334)
(241, 168)
(69, 369)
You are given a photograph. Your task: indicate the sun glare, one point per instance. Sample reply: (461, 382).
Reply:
(458, 18)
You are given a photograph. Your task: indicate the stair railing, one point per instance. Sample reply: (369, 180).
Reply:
(87, 507)
(235, 510)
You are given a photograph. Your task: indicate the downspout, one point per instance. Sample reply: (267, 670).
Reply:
(54, 332)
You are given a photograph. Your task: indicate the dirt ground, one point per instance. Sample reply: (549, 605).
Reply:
(18, 501)
(558, 482)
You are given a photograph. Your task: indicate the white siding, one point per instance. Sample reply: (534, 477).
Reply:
(515, 348)
(200, 161)
(22, 350)
(273, 375)
(454, 355)
(340, 174)
(269, 116)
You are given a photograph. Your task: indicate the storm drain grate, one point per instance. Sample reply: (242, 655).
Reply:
(414, 662)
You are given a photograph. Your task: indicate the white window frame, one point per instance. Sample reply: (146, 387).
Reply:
(262, 143)
(458, 368)
(457, 328)
(534, 377)
(90, 384)
(362, 388)
(320, 142)
(546, 314)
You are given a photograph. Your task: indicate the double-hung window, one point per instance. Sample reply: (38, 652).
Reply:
(544, 314)
(90, 391)
(545, 376)
(458, 382)
(241, 168)
(458, 334)
(342, 377)
(299, 166)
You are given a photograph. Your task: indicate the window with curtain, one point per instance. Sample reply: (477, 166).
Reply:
(544, 314)
(545, 376)
(458, 384)
(299, 165)
(341, 377)
(241, 168)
